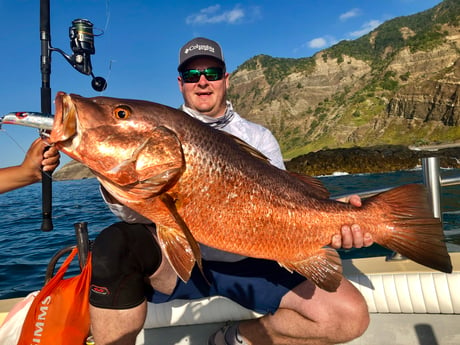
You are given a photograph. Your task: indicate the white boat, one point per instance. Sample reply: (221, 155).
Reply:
(409, 304)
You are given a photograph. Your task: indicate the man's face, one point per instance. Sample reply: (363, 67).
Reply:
(204, 96)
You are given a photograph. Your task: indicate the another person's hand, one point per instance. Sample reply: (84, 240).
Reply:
(351, 235)
(37, 159)
(30, 170)
(50, 159)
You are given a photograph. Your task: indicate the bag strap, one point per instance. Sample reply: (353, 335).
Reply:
(65, 265)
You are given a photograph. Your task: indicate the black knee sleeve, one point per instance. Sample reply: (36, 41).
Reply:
(123, 256)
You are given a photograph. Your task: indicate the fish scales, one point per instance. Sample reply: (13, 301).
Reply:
(199, 184)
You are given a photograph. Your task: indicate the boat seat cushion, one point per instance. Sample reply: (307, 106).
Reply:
(417, 292)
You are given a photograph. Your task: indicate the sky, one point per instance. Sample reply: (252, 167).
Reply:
(137, 44)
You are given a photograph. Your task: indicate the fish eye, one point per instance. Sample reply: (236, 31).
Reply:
(122, 112)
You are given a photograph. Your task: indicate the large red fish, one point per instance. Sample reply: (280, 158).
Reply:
(199, 184)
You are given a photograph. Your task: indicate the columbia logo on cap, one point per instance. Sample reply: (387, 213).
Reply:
(200, 46)
(204, 47)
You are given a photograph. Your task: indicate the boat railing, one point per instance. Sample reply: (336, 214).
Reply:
(432, 180)
(451, 181)
(431, 177)
(444, 182)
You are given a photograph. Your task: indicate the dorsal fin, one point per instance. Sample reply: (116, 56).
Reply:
(248, 148)
(317, 188)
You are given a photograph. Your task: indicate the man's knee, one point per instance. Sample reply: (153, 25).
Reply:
(362, 318)
(354, 316)
(123, 255)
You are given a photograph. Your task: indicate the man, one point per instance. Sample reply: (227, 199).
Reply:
(296, 312)
(30, 170)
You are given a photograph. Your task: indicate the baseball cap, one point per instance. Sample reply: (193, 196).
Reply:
(200, 46)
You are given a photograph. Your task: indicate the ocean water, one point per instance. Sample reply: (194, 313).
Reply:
(25, 250)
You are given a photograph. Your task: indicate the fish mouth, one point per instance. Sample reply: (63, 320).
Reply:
(65, 121)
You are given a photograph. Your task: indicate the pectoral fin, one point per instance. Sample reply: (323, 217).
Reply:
(178, 243)
(324, 268)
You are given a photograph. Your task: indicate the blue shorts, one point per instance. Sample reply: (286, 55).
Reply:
(256, 284)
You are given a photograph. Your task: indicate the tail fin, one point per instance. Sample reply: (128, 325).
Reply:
(413, 231)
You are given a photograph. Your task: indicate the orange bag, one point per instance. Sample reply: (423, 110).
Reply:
(60, 312)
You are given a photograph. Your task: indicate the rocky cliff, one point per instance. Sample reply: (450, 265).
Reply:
(397, 85)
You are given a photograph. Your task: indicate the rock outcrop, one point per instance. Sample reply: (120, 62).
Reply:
(375, 159)
(72, 171)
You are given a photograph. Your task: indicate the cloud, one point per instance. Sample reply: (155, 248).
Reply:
(327, 41)
(216, 15)
(350, 14)
(366, 27)
(321, 42)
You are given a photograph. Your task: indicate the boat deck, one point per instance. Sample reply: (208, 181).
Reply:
(409, 305)
(384, 329)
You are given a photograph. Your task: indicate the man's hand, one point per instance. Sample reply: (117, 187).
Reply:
(351, 235)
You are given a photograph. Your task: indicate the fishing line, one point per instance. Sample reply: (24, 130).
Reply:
(110, 70)
(107, 15)
(13, 140)
(106, 26)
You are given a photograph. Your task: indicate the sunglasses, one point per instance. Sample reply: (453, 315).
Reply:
(194, 75)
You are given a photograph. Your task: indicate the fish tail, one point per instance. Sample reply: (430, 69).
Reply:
(411, 229)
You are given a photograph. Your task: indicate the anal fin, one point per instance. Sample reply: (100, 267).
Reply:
(323, 268)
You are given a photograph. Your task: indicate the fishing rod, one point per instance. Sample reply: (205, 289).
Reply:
(82, 45)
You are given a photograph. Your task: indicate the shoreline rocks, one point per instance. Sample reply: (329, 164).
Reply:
(373, 159)
(355, 160)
